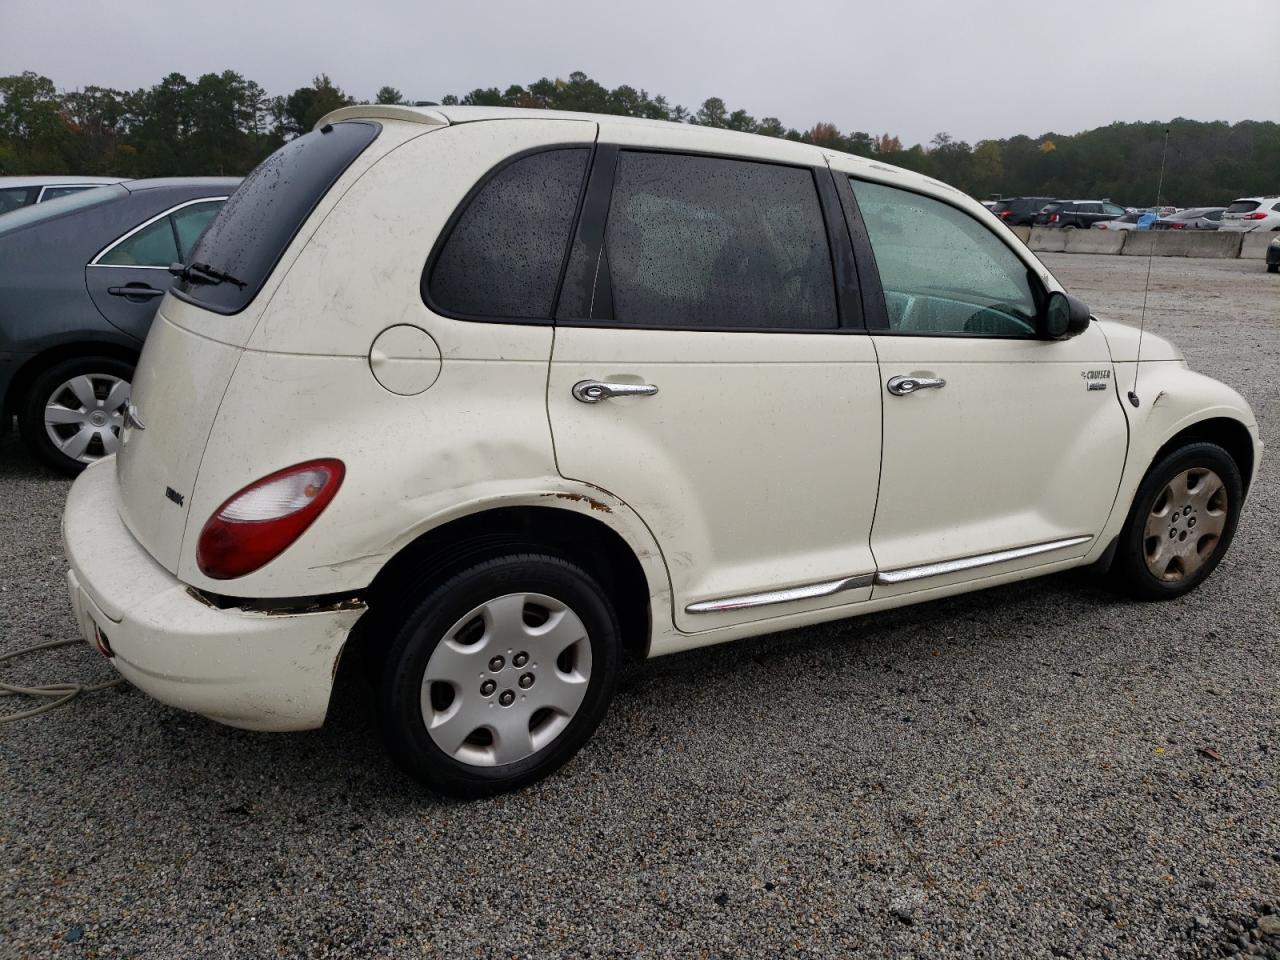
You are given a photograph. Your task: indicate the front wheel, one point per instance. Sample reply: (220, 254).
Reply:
(73, 412)
(500, 675)
(1181, 523)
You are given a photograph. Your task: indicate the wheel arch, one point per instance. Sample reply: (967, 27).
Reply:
(567, 528)
(36, 364)
(1226, 432)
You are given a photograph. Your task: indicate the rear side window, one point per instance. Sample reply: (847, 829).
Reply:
(248, 237)
(709, 242)
(502, 259)
(152, 246)
(1243, 206)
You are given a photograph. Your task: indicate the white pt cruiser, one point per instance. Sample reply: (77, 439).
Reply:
(491, 398)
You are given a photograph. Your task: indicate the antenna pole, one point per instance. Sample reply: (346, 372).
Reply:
(1151, 246)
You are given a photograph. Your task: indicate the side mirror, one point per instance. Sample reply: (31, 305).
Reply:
(1063, 317)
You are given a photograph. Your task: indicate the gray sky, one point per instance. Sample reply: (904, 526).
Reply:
(975, 68)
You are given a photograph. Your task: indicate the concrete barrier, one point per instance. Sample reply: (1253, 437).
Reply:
(1094, 241)
(1182, 243)
(1254, 246)
(1047, 240)
(1022, 233)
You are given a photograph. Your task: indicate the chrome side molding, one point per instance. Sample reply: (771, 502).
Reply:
(807, 592)
(828, 588)
(907, 574)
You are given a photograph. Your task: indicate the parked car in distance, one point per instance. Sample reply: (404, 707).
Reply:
(80, 278)
(1273, 256)
(1078, 214)
(396, 408)
(1020, 211)
(1127, 221)
(1252, 215)
(1192, 218)
(17, 192)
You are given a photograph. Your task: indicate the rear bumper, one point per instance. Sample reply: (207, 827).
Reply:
(259, 671)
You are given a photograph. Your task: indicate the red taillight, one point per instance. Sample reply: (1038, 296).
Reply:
(1260, 215)
(254, 526)
(1053, 218)
(1005, 214)
(1177, 226)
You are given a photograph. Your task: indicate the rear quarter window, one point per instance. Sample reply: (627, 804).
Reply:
(249, 235)
(503, 256)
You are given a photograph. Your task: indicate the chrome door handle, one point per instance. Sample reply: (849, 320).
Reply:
(901, 386)
(593, 391)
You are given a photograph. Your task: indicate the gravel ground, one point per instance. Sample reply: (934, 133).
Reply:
(1041, 770)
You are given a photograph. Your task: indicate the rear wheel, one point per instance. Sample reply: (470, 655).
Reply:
(1273, 268)
(500, 675)
(1181, 523)
(74, 411)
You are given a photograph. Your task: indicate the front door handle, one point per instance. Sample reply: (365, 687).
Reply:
(141, 291)
(901, 386)
(593, 391)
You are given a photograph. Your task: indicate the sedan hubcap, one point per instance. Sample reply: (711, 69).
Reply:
(83, 417)
(506, 679)
(1185, 524)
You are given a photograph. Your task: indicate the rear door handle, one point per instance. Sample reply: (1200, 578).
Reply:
(593, 391)
(130, 291)
(901, 386)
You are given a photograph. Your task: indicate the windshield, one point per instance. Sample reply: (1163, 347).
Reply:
(40, 212)
(240, 248)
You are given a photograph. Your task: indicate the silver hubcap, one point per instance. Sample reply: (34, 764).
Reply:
(1185, 524)
(506, 679)
(83, 417)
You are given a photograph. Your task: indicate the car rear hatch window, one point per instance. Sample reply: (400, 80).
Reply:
(237, 253)
(1243, 206)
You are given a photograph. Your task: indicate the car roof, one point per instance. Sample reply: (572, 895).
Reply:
(731, 141)
(223, 184)
(55, 180)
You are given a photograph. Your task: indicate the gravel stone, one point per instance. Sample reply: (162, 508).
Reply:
(1046, 797)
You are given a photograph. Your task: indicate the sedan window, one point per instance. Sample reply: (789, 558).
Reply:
(190, 222)
(152, 246)
(943, 273)
(11, 198)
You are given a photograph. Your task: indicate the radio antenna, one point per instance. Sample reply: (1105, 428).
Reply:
(1151, 246)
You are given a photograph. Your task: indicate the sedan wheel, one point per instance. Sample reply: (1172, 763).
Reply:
(72, 413)
(84, 415)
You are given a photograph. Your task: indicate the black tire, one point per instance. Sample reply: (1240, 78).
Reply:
(1130, 573)
(400, 705)
(1273, 268)
(40, 392)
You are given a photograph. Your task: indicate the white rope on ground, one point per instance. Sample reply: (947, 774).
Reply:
(61, 693)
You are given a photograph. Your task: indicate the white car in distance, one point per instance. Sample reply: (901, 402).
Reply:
(490, 398)
(1252, 215)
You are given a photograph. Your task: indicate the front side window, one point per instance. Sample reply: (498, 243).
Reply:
(707, 242)
(943, 273)
(502, 258)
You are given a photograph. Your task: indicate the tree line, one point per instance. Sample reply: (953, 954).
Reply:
(224, 124)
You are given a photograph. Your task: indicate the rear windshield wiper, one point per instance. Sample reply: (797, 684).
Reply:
(203, 273)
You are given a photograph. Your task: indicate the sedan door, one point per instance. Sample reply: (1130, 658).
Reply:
(127, 279)
(710, 370)
(1002, 451)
